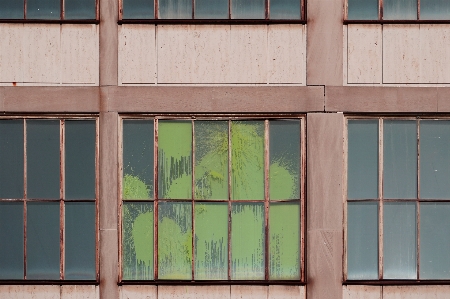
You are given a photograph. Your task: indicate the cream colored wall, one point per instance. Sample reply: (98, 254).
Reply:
(49, 292)
(396, 292)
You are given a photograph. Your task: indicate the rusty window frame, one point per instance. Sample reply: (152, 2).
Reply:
(266, 201)
(62, 200)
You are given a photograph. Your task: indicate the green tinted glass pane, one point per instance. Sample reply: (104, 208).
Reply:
(362, 240)
(247, 9)
(11, 158)
(43, 159)
(284, 241)
(211, 241)
(400, 159)
(362, 159)
(79, 9)
(43, 9)
(284, 152)
(434, 241)
(11, 9)
(11, 246)
(285, 9)
(362, 9)
(175, 159)
(399, 241)
(174, 240)
(247, 241)
(79, 250)
(247, 159)
(137, 241)
(138, 136)
(211, 160)
(138, 9)
(211, 9)
(80, 159)
(434, 9)
(175, 9)
(43, 240)
(400, 10)
(434, 159)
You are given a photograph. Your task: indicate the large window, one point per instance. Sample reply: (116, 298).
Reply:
(398, 199)
(48, 223)
(212, 199)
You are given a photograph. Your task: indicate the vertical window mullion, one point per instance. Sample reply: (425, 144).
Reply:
(266, 198)
(61, 196)
(155, 198)
(302, 198)
(193, 190)
(25, 198)
(61, 4)
(267, 9)
(120, 204)
(229, 198)
(156, 17)
(418, 9)
(418, 199)
(380, 9)
(380, 198)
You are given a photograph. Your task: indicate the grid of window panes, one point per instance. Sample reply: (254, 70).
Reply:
(217, 9)
(48, 10)
(398, 10)
(48, 199)
(398, 205)
(211, 199)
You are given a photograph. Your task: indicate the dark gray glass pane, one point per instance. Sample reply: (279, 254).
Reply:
(400, 159)
(362, 241)
(363, 9)
(80, 159)
(399, 241)
(11, 246)
(43, 240)
(211, 9)
(434, 241)
(434, 159)
(175, 9)
(11, 159)
(285, 9)
(43, 159)
(138, 9)
(400, 10)
(247, 9)
(79, 9)
(80, 241)
(11, 9)
(362, 159)
(434, 9)
(43, 9)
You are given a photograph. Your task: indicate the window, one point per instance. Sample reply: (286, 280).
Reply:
(48, 223)
(398, 199)
(212, 199)
(398, 10)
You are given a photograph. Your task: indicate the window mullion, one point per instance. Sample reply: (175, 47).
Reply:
(418, 9)
(302, 198)
(61, 197)
(418, 199)
(380, 198)
(25, 198)
(155, 200)
(229, 199)
(266, 198)
(193, 193)
(380, 9)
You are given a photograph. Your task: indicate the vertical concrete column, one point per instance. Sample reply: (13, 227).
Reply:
(108, 42)
(324, 205)
(109, 245)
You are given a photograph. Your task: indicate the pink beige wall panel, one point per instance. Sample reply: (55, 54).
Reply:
(248, 292)
(286, 292)
(364, 50)
(193, 292)
(137, 54)
(287, 55)
(79, 292)
(434, 53)
(361, 292)
(11, 54)
(416, 292)
(29, 292)
(138, 292)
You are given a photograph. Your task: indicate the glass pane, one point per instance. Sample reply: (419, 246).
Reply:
(43, 9)
(247, 9)
(138, 9)
(11, 159)
(285, 9)
(434, 9)
(43, 159)
(211, 241)
(284, 151)
(362, 159)
(175, 9)
(174, 240)
(175, 159)
(247, 159)
(434, 159)
(434, 241)
(362, 240)
(80, 240)
(11, 234)
(43, 240)
(137, 241)
(80, 159)
(247, 241)
(399, 241)
(79, 9)
(211, 9)
(211, 160)
(11, 9)
(400, 10)
(363, 9)
(400, 159)
(138, 136)
(284, 241)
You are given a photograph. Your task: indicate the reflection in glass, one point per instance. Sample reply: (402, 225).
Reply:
(284, 9)
(138, 9)
(400, 10)
(247, 9)
(11, 236)
(43, 9)
(211, 9)
(247, 241)
(363, 9)
(175, 9)
(137, 241)
(434, 9)
(11, 9)
(79, 9)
